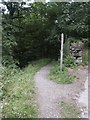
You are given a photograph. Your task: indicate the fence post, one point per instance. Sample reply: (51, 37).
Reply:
(61, 56)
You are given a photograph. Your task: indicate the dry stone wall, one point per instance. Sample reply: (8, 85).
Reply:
(76, 50)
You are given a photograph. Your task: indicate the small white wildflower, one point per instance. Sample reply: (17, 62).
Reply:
(6, 103)
(1, 106)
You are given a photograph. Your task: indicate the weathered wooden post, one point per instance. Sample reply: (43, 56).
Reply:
(61, 56)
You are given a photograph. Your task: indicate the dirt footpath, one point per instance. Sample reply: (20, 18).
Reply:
(81, 75)
(49, 94)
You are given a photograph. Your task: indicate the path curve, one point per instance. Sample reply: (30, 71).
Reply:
(46, 94)
(49, 94)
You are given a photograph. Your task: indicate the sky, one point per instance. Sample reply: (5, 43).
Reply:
(18, 0)
(29, 1)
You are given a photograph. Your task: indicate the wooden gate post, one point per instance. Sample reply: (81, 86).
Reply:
(61, 56)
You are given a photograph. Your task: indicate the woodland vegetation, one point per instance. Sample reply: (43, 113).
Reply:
(33, 33)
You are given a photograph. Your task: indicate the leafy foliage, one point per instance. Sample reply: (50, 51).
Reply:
(34, 32)
(30, 33)
(69, 61)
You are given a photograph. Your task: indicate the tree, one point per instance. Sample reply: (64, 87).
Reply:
(34, 32)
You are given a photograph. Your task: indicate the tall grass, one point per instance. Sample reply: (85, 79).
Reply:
(85, 56)
(19, 91)
(69, 110)
(60, 77)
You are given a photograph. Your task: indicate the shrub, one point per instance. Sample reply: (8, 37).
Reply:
(69, 61)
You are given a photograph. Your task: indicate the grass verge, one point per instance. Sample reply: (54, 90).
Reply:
(85, 56)
(56, 76)
(19, 91)
(69, 110)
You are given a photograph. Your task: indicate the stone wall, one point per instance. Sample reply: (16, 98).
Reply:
(76, 50)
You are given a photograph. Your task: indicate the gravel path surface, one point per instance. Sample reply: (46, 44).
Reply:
(83, 99)
(49, 94)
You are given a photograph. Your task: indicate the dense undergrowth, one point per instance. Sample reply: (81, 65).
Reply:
(19, 91)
